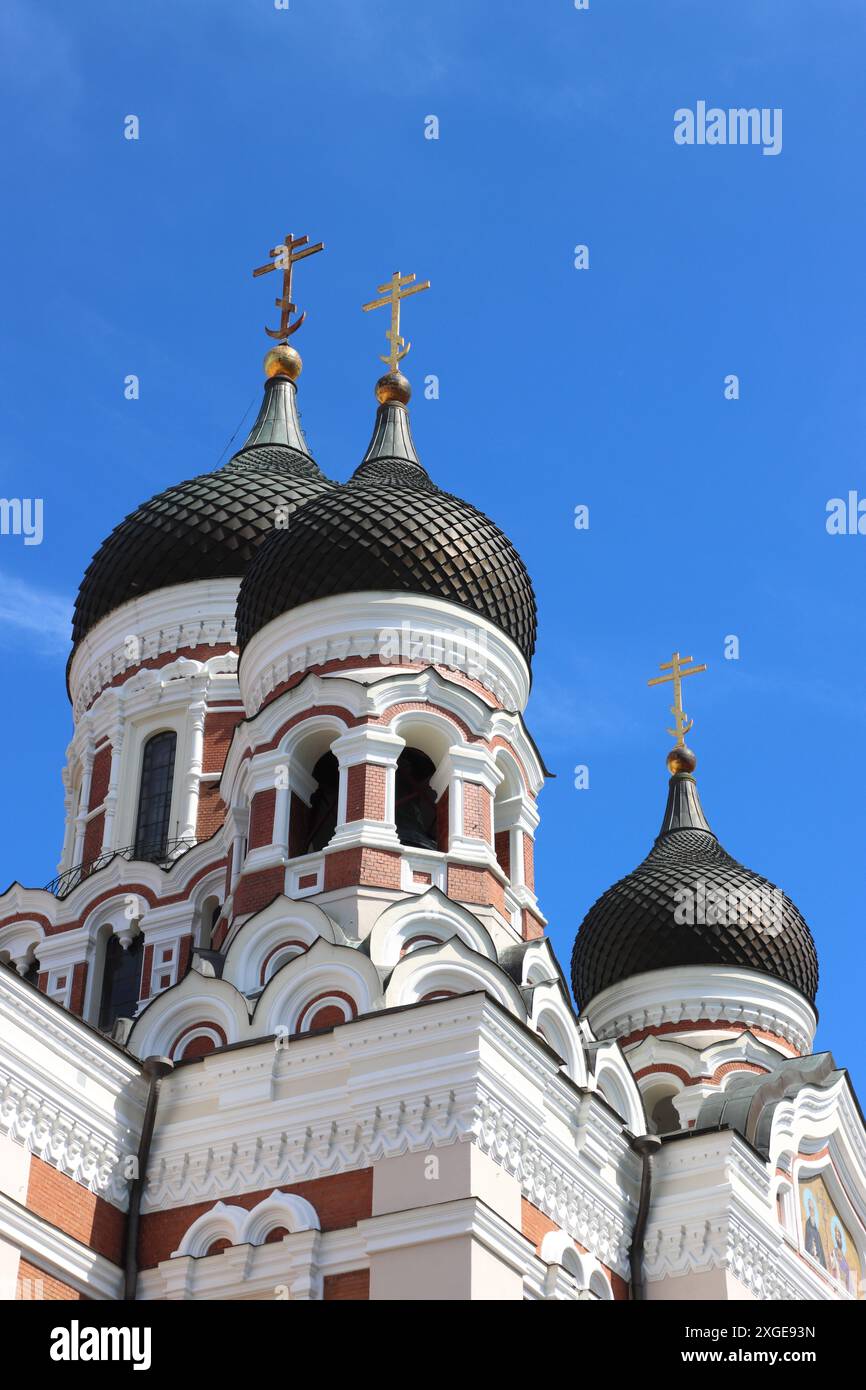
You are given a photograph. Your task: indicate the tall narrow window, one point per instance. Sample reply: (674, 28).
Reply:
(154, 798)
(415, 810)
(323, 803)
(121, 981)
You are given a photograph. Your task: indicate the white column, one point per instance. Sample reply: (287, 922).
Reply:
(68, 819)
(376, 747)
(237, 824)
(83, 799)
(117, 732)
(519, 817)
(192, 783)
(459, 766)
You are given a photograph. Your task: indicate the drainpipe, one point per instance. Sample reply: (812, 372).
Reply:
(645, 1145)
(154, 1068)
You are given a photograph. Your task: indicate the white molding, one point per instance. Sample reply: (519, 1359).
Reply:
(692, 992)
(177, 617)
(349, 625)
(67, 1094)
(712, 1210)
(459, 1070)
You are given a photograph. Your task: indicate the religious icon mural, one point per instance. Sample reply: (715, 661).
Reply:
(825, 1239)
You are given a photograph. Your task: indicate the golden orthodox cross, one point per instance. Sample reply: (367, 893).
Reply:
(393, 292)
(678, 674)
(283, 258)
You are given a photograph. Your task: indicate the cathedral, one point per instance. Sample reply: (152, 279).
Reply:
(288, 1025)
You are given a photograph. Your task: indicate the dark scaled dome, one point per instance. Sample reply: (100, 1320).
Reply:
(632, 928)
(210, 526)
(391, 528)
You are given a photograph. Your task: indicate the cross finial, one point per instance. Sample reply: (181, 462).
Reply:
(678, 674)
(283, 258)
(396, 289)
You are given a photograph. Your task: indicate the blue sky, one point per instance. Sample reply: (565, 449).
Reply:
(559, 387)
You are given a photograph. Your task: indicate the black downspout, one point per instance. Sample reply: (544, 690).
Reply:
(645, 1145)
(154, 1068)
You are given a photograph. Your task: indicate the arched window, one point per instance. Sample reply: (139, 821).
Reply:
(323, 803)
(209, 915)
(415, 802)
(121, 981)
(154, 798)
(665, 1119)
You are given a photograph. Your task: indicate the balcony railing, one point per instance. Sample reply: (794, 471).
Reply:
(63, 884)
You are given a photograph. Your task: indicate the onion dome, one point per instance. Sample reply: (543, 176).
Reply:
(391, 528)
(691, 903)
(210, 526)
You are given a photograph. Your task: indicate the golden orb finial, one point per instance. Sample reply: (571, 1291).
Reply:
(283, 360)
(681, 759)
(393, 386)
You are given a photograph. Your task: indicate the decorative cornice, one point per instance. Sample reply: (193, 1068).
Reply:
(691, 993)
(178, 617)
(86, 1129)
(396, 1101)
(352, 625)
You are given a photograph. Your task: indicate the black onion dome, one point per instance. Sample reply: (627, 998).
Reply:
(390, 528)
(210, 526)
(632, 928)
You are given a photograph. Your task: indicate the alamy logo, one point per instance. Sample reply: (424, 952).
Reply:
(465, 649)
(77, 1343)
(739, 125)
(699, 905)
(22, 516)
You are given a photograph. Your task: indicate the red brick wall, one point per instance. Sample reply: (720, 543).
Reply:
(218, 730)
(99, 777)
(92, 847)
(475, 885)
(503, 851)
(528, 861)
(372, 868)
(46, 1287)
(365, 792)
(476, 811)
(341, 1200)
(184, 957)
(146, 970)
(355, 1283)
(211, 810)
(442, 836)
(262, 808)
(299, 826)
(534, 1224)
(79, 981)
(532, 927)
(81, 1214)
(255, 891)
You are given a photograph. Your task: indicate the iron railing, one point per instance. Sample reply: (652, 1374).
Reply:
(63, 884)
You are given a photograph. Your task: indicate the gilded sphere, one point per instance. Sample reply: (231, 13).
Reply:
(681, 760)
(393, 386)
(283, 360)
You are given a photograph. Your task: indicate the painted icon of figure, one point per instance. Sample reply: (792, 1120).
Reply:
(839, 1265)
(811, 1235)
